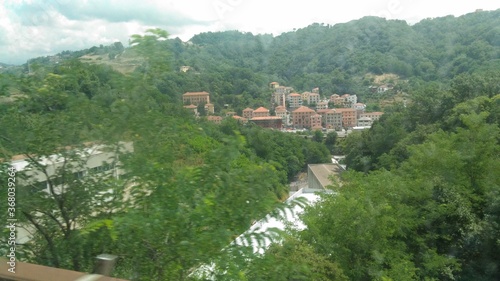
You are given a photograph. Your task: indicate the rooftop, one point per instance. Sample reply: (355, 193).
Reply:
(323, 171)
(261, 109)
(303, 109)
(280, 108)
(187, 94)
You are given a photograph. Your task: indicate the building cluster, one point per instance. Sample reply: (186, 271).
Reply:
(318, 114)
(193, 99)
(308, 110)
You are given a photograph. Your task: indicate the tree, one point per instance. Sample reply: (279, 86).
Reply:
(318, 136)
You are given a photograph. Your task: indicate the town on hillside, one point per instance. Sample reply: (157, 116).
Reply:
(293, 111)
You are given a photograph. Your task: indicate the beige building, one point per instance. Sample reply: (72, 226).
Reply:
(215, 119)
(193, 108)
(261, 112)
(196, 98)
(281, 111)
(305, 96)
(333, 119)
(365, 122)
(209, 108)
(274, 85)
(372, 115)
(349, 117)
(316, 122)
(294, 100)
(313, 98)
(247, 113)
(322, 105)
(301, 117)
(279, 98)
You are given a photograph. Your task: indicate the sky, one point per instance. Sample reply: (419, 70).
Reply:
(34, 28)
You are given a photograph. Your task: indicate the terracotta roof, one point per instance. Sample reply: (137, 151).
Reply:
(190, 106)
(213, 118)
(237, 117)
(294, 95)
(195, 94)
(280, 108)
(261, 109)
(303, 109)
(247, 109)
(266, 118)
(344, 109)
(323, 110)
(274, 83)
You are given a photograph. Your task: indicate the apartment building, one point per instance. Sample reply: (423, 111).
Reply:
(349, 119)
(313, 98)
(193, 108)
(261, 112)
(294, 100)
(247, 113)
(372, 115)
(301, 117)
(333, 119)
(316, 122)
(215, 119)
(196, 98)
(322, 105)
(279, 98)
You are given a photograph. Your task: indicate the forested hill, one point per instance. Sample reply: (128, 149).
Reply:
(236, 67)
(431, 49)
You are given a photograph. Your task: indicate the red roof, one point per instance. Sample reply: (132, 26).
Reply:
(214, 118)
(261, 109)
(247, 109)
(303, 109)
(280, 108)
(191, 106)
(295, 95)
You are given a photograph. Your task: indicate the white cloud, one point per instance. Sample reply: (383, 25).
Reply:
(31, 28)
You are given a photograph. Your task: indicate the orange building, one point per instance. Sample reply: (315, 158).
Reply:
(301, 117)
(316, 122)
(349, 118)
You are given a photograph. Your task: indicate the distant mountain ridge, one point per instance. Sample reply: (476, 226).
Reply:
(335, 57)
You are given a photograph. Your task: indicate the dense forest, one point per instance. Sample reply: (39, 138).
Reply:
(420, 199)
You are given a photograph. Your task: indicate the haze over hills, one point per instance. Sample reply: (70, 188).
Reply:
(419, 199)
(236, 67)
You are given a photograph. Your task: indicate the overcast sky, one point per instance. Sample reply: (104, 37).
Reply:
(33, 28)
